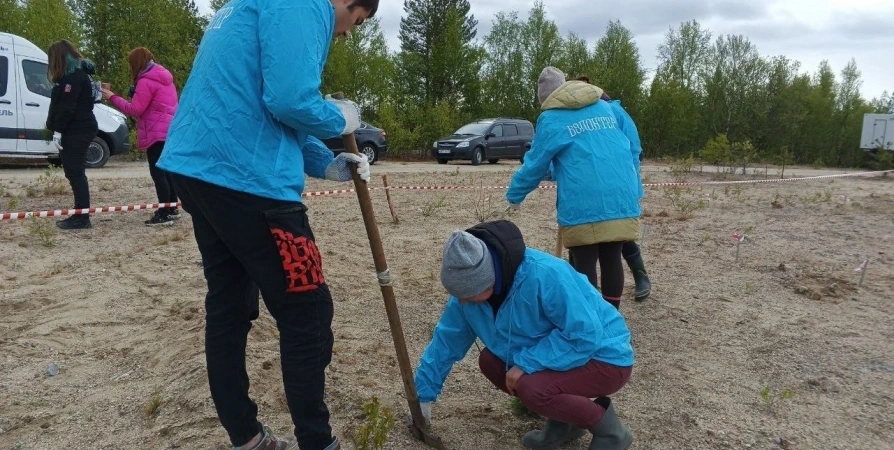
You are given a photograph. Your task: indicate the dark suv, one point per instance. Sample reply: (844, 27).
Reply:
(490, 139)
(371, 141)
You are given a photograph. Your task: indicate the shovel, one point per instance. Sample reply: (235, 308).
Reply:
(421, 432)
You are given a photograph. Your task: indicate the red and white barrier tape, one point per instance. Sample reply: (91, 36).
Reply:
(151, 206)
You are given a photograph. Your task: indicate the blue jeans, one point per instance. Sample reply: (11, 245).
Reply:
(251, 244)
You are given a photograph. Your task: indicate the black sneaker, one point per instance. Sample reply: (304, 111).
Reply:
(159, 219)
(75, 222)
(174, 213)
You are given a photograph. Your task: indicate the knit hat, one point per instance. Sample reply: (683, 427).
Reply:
(467, 268)
(550, 80)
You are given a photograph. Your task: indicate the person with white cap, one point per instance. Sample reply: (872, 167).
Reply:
(596, 174)
(550, 340)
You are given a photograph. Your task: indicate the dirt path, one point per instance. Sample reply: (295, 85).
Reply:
(119, 309)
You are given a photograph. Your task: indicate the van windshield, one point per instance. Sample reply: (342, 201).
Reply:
(474, 129)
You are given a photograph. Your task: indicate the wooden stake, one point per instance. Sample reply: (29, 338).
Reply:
(394, 218)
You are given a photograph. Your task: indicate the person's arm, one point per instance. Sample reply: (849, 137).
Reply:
(577, 329)
(316, 157)
(629, 128)
(537, 161)
(65, 103)
(450, 342)
(294, 37)
(138, 104)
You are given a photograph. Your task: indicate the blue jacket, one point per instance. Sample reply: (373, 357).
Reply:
(593, 165)
(551, 319)
(251, 112)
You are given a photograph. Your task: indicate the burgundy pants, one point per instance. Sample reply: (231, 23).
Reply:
(563, 396)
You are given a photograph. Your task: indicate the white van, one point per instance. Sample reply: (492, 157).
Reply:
(25, 103)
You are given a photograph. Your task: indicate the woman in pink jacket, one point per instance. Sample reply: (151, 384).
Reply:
(153, 103)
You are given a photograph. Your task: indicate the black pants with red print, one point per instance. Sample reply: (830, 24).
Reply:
(251, 244)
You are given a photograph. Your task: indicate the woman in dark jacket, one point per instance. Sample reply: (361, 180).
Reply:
(72, 122)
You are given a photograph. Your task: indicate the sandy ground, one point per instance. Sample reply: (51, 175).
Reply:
(119, 309)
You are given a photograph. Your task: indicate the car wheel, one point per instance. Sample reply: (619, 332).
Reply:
(493, 161)
(97, 153)
(371, 152)
(55, 162)
(477, 156)
(442, 161)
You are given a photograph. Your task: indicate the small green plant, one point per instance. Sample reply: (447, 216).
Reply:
(717, 150)
(484, 209)
(374, 431)
(150, 409)
(772, 400)
(827, 195)
(681, 167)
(431, 207)
(50, 183)
(682, 200)
(12, 204)
(455, 173)
(44, 230)
(519, 409)
(749, 288)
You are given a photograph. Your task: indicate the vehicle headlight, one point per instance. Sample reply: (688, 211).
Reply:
(434, 144)
(462, 144)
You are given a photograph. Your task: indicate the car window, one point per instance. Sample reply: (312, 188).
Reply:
(474, 129)
(36, 77)
(4, 75)
(497, 131)
(510, 130)
(525, 129)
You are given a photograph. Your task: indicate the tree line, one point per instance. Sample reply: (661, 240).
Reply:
(715, 98)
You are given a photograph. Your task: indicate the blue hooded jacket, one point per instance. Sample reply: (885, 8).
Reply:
(549, 318)
(593, 165)
(251, 115)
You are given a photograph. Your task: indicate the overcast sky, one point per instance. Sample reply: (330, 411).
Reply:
(806, 30)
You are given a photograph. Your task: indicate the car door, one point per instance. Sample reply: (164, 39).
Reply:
(496, 147)
(8, 106)
(34, 91)
(510, 136)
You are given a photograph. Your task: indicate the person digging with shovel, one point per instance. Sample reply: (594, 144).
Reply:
(550, 339)
(246, 132)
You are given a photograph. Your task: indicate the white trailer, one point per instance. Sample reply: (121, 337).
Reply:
(878, 132)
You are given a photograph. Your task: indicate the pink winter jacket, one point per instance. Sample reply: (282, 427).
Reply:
(153, 105)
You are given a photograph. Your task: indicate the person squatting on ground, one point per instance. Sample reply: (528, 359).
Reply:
(72, 122)
(630, 250)
(153, 103)
(596, 176)
(550, 340)
(246, 132)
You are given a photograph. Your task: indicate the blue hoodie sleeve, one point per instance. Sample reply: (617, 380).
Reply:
(316, 157)
(451, 341)
(295, 37)
(629, 129)
(578, 329)
(537, 161)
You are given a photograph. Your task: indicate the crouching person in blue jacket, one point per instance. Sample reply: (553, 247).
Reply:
(550, 339)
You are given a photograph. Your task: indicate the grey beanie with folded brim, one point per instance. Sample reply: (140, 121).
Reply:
(467, 268)
(550, 80)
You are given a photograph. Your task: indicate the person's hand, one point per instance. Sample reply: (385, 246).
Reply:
(512, 377)
(107, 94)
(512, 208)
(340, 167)
(426, 413)
(350, 111)
(57, 139)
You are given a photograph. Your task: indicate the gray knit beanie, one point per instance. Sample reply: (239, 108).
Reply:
(550, 80)
(467, 268)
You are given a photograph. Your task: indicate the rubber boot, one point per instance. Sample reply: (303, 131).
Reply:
(640, 277)
(610, 433)
(553, 435)
(75, 222)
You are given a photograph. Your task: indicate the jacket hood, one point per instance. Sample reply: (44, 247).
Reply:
(158, 74)
(573, 95)
(505, 240)
(73, 64)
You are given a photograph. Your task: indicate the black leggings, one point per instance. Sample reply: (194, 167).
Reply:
(608, 255)
(164, 185)
(74, 164)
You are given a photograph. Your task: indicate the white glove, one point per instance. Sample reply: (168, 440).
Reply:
(350, 111)
(426, 412)
(340, 167)
(57, 139)
(512, 208)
